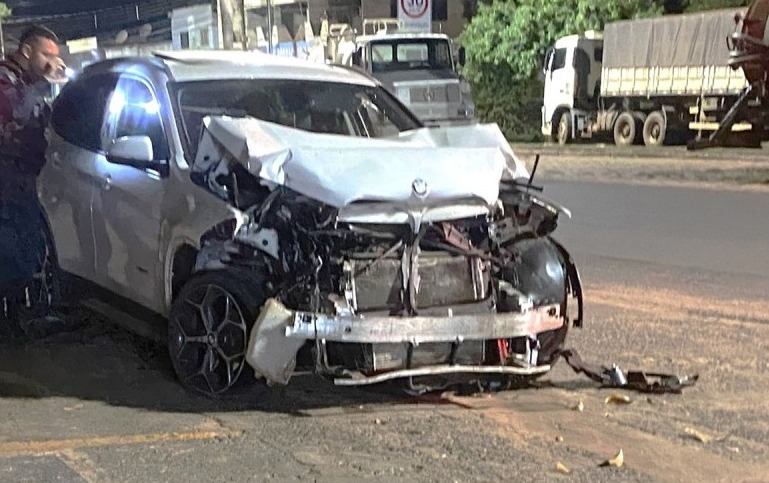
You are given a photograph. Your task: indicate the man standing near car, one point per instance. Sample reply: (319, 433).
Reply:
(24, 87)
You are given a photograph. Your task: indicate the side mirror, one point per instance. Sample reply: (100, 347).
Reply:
(131, 150)
(546, 62)
(137, 152)
(462, 56)
(357, 57)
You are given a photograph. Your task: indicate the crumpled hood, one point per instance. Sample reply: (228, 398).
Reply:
(423, 167)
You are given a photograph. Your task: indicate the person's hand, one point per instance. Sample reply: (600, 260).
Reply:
(55, 71)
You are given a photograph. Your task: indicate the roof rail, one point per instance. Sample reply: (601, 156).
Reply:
(381, 26)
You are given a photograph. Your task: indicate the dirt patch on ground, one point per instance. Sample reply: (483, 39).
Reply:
(736, 169)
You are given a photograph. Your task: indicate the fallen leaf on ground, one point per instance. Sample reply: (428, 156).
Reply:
(562, 468)
(580, 406)
(618, 399)
(617, 461)
(698, 435)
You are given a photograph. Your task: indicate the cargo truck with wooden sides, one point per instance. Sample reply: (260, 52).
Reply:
(652, 81)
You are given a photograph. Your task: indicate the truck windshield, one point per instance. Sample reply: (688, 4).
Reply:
(410, 54)
(323, 107)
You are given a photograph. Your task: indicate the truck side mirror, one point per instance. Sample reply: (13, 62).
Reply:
(357, 57)
(546, 62)
(462, 57)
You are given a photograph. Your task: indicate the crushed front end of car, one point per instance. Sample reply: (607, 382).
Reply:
(426, 257)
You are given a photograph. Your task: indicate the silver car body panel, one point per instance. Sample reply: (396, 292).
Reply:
(65, 189)
(79, 190)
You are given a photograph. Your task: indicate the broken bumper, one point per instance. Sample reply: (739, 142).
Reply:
(279, 333)
(442, 370)
(364, 329)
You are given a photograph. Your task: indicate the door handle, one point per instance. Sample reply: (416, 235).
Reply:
(106, 182)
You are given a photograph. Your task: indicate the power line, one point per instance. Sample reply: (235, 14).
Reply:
(102, 21)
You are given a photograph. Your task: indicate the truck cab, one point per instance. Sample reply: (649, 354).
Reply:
(419, 68)
(572, 70)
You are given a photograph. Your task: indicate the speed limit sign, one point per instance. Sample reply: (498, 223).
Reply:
(416, 14)
(415, 8)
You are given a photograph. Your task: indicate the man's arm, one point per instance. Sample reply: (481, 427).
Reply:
(9, 97)
(22, 139)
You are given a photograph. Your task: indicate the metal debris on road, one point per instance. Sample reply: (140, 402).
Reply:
(614, 377)
(618, 399)
(617, 461)
(562, 468)
(698, 435)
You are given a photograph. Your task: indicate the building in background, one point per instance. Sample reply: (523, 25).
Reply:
(145, 26)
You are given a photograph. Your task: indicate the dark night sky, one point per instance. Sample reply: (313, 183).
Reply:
(51, 7)
(107, 22)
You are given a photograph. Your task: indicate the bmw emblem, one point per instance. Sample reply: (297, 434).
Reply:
(419, 187)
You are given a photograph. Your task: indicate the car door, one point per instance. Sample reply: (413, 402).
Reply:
(127, 207)
(70, 177)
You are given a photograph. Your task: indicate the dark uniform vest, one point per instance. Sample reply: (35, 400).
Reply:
(24, 115)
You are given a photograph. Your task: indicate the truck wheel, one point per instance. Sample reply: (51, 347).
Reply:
(625, 129)
(655, 129)
(563, 134)
(208, 330)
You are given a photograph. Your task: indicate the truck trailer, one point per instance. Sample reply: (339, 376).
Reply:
(652, 81)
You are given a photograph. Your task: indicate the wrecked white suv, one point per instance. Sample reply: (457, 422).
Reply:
(275, 214)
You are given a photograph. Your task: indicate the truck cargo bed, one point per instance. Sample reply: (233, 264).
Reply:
(672, 55)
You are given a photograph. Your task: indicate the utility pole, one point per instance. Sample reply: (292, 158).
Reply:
(4, 12)
(224, 15)
(269, 26)
(2, 40)
(243, 24)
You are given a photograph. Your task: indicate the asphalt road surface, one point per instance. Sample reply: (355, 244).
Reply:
(724, 231)
(675, 281)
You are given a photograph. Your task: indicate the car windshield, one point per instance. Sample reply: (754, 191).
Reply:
(322, 107)
(410, 54)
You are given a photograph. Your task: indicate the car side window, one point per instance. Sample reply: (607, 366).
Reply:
(133, 110)
(78, 112)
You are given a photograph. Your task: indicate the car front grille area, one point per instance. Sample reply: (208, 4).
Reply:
(440, 93)
(437, 279)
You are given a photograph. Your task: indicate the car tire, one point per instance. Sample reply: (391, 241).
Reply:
(626, 130)
(655, 129)
(209, 327)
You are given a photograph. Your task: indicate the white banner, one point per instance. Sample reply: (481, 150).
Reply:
(416, 14)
